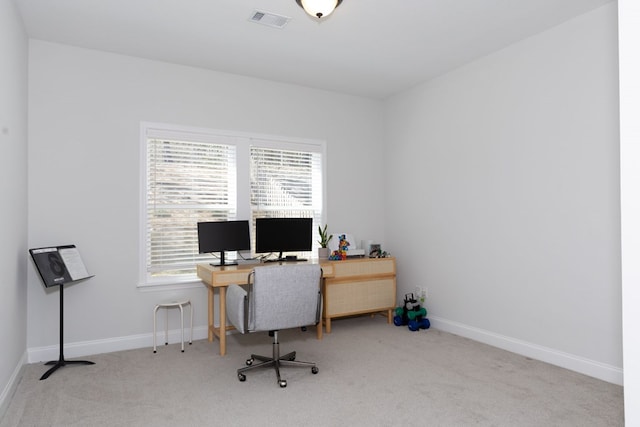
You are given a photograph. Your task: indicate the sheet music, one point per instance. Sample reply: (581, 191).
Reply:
(73, 263)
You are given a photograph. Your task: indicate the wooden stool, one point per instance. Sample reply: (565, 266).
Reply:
(167, 306)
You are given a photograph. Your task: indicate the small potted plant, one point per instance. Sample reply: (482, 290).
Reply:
(323, 251)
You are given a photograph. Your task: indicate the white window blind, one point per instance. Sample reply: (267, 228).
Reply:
(195, 175)
(286, 183)
(188, 180)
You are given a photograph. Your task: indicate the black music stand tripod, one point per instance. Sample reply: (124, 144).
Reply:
(58, 265)
(61, 362)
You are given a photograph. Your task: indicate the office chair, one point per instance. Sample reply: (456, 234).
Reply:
(278, 297)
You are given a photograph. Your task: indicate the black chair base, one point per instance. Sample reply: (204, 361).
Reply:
(275, 361)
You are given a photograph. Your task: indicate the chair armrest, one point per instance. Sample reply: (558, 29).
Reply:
(236, 301)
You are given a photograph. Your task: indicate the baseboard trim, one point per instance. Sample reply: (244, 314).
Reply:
(12, 385)
(572, 362)
(109, 345)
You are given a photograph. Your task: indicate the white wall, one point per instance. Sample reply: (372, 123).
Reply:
(13, 193)
(503, 196)
(629, 34)
(85, 109)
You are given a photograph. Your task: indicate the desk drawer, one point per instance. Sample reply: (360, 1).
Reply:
(231, 277)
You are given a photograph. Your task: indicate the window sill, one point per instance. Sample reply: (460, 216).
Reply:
(170, 286)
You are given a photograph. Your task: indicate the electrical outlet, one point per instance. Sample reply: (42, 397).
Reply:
(420, 295)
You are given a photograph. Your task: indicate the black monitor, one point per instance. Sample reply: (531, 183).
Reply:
(221, 236)
(284, 235)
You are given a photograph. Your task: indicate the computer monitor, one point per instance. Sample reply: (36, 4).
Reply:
(284, 235)
(221, 236)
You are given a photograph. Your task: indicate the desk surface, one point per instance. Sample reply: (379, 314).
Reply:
(217, 276)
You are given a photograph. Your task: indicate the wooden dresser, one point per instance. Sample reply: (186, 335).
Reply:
(359, 286)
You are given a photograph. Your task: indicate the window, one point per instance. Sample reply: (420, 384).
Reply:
(285, 183)
(192, 175)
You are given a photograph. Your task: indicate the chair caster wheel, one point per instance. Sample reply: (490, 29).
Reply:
(249, 362)
(242, 377)
(314, 370)
(282, 383)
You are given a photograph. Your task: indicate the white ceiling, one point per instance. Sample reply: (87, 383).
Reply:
(371, 48)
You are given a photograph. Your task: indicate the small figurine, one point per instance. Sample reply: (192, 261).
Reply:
(343, 247)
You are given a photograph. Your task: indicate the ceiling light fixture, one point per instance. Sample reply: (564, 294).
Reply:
(319, 8)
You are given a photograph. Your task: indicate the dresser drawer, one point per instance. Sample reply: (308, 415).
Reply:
(364, 267)
(354, 297)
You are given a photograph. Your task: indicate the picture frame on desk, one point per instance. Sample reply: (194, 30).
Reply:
(374, 250)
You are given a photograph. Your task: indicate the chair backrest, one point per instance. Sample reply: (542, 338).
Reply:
(284, 296)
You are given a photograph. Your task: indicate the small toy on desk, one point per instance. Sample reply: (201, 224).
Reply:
(411, 314)
(343, 247)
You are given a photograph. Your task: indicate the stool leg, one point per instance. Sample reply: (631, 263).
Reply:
(155, 311)
(166, 326)
(181, 327)
(191, 312)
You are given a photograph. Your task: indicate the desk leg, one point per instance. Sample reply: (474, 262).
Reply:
(210, 314)
(223, 320)
(319, 329)
(327, 324)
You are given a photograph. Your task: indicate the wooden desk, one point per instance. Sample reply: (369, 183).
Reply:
(220, 278)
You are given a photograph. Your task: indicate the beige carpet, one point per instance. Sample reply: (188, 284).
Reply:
(371, 373)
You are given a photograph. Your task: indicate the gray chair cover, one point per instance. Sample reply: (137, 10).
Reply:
(280, 297)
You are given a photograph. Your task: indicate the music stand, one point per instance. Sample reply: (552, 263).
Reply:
(58, 266)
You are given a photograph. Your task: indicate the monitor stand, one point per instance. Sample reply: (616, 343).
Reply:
(288, 258)
(222, 262)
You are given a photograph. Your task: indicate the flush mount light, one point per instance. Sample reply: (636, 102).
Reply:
(319, 8)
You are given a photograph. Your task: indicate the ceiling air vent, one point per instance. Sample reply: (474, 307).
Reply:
(269, 19)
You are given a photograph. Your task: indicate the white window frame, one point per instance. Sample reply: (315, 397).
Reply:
(243, 141)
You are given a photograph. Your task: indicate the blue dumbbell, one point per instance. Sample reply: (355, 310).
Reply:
(425, 324)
